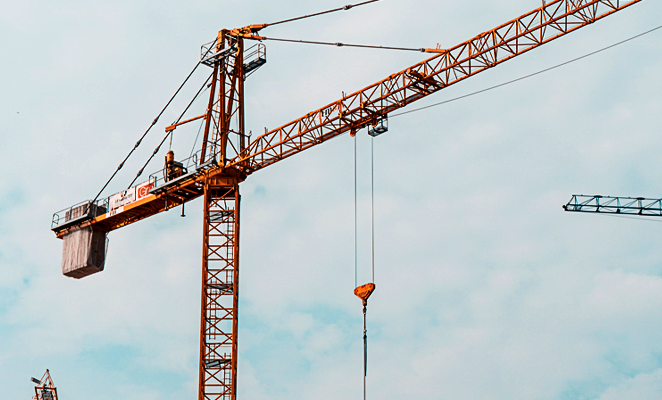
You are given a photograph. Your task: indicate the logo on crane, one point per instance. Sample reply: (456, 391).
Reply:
(117, 201)
(143, 189)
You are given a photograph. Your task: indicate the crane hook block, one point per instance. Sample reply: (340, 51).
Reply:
(364, 291)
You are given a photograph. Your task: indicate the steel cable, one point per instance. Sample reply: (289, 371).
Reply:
(338, 44)
(347, 7)
(526, 76)
(372, 206)
(145, 134)
(356, 260)
(170, 132)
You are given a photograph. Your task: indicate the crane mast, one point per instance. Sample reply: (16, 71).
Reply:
(226, 157)
(220, 246)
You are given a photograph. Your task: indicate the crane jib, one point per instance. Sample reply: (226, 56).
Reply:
(484, 51)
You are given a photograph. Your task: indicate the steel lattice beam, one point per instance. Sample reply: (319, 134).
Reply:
(226, 102)
(486, 50)
(220, 291)
(357, 110)
(615, 205)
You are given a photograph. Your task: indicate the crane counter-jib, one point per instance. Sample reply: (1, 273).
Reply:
(85, 226)
(138, 202)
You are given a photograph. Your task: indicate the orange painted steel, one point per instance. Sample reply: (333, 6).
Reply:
(358, 109)
(220, 263)
(45, 389)
(220, 290)
(172, 127)
(363, 292)
(484, 51)
(226, 101)
(228, 159)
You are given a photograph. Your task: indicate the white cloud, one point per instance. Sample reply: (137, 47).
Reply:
(645, 386)
(485, 288)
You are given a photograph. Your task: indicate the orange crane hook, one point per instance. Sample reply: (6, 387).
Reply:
(363, 292)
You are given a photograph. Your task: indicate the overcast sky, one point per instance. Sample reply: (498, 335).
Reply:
(486, 289)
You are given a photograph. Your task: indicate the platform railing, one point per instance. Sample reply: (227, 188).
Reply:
(79, 211)
(191, 165)
(83, 210)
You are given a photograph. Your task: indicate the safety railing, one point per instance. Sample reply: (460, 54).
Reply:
(84, 210)
(254, 57)
(209, 54)
(79, 212)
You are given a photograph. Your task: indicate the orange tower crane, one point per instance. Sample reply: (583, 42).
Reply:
(228, 156)
(45, 388)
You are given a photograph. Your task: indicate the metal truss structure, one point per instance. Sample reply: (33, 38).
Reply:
(367, 106)
(615, 205)
(45, 389)
(220, 264)
(220, 290)
(225, 101)
(226, 158)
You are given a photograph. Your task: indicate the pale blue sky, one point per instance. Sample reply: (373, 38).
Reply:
(486, 289)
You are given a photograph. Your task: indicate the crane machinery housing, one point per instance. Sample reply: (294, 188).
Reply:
(227, 156)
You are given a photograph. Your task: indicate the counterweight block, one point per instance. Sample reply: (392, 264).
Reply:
(84, 252)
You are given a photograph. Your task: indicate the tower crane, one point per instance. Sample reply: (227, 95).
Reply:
(227, 157)
(45, 388)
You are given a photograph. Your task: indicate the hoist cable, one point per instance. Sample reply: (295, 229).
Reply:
(372, 237)
(372, 206)
(143, 136)
(347, 7)
(365, 355)
(364, 296)
(356, 259)
(338, 44)
(204, 85)
(529, 75)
